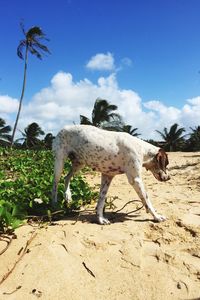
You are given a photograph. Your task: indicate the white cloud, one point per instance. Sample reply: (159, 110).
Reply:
(8, 104)
(187, 116)
(167, 114)
(64, 100)
(191, 112)
(101, 62)
(8, 108)
(194, 101)
(126, 61)
(106, 62)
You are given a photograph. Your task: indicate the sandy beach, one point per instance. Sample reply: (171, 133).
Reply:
(133, 258)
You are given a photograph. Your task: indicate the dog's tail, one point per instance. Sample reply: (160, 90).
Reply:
(59, 158)
(56, 142)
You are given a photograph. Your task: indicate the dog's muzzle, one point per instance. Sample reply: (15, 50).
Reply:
(162, 176)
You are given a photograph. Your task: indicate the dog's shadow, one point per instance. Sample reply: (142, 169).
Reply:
(119, 217)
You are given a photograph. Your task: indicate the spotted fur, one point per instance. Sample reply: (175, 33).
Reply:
(110, 153)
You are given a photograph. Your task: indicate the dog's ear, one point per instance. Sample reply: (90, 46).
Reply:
(162, 159)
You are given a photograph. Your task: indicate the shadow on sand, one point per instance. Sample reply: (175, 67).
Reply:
(89, 216)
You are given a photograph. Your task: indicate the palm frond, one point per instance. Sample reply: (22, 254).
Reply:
(132, 131)
(111, 107)
(162, 134)
(5, 129)
(32, 38)
(2, 122)
(34, 52)
(22, 28)
(20, 48)
(84, 120)
(115, 116)
(42, 47)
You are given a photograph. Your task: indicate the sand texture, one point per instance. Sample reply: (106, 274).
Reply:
(133, 258)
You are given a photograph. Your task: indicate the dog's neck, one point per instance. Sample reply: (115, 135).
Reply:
(149, 153)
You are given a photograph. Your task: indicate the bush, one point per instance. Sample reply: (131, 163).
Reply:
(26, 179)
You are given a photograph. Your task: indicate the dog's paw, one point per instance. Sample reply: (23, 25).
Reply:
(103, 221)
(159, 218)
(68, 196)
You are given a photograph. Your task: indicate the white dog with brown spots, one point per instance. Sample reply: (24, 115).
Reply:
(110, 153)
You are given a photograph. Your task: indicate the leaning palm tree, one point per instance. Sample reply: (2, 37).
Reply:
(31, 43)
(130, 130)
(31, 136)
(103, 115)
(5, 137)
(172, 138)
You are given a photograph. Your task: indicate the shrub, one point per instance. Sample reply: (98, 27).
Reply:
(26, 179)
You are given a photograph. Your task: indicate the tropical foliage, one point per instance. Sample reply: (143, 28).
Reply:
(193, 143)
(31, 136)
(173, 138)
(48, 140)
(130, 130)
(5, 137)
(26, 183)
(103, 115)
(30, 44)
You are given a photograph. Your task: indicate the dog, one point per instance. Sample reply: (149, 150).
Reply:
(110, 153)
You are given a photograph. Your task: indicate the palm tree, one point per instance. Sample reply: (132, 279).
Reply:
(193, 143)
(48, 140)
(172, 138)
(130, 130)
(103, 115)
(5, 137)
(31, 43)
(31, 136)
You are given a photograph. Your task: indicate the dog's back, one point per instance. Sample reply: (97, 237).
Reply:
(90, 146)
(90, 143)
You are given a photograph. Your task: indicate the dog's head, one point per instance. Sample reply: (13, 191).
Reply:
(158, 166)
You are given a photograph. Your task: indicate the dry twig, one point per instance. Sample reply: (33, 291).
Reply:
(89, 271)
(7, 239)
(21, 256)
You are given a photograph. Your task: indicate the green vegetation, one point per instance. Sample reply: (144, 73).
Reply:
(26, 178)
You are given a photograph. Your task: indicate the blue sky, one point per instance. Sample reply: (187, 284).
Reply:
(143, 56)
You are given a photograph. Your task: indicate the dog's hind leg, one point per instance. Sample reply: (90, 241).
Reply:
(105, 183)
(76, 166)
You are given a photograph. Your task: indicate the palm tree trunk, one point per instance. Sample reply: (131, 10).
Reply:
(21, 98)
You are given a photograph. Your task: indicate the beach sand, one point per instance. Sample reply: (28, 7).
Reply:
(133, 258)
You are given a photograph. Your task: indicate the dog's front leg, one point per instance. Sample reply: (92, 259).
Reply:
(140, 190)
(105, 183)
